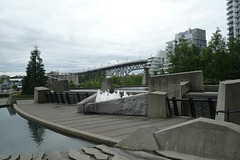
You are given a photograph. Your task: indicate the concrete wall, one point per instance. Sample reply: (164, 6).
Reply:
(39, 94)
(107, 85)
(132, 105)
(229, 99)
(203, 137)
(146, 76)
(170, 83)
(58, 85)
(82, 105)
(157, 105)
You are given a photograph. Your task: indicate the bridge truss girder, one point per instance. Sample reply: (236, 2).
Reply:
(118, 70)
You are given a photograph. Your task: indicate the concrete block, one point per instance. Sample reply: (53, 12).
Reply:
(82, 105)
(146, 76)
(95, 153)
(27, 157)
(184, 88)
(40, 156)
(106, 150)
(17, 157)
(170, 83)
(54, 155)
(228, 99)
(39, 94)
(202, 137)
(107, 84)
(180, 156)
(11, 100)
(58, 85)
(77, 155)
(157, 105)
(140, 140)
(5, 157)
(132, 105)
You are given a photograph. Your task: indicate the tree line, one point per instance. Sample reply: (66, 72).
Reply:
(219, 61)
(130, 80)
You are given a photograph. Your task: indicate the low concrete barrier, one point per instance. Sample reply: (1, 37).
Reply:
(132, 105)
(171, 83)
(228, 99)
(82, 105)
(39, 95)
(157, 105)
(203, 137)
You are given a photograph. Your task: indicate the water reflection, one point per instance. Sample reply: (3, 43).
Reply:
(11, 110)
(37, 132)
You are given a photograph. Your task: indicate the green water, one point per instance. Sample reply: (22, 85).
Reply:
(20, 136)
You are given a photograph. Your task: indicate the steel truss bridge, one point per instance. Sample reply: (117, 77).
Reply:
(121, 69)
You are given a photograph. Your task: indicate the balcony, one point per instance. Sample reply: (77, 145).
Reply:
(230, 12)
(230, 17)
(229, 7)
(229, 2)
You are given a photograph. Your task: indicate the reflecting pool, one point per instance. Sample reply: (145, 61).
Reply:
(20, 136)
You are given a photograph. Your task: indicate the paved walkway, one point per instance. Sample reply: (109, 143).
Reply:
(107, 129)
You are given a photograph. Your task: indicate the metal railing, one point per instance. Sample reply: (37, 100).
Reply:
(191, 101)
(66, 97)
(228, 112)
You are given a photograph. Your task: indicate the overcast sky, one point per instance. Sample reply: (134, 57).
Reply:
(74, 35)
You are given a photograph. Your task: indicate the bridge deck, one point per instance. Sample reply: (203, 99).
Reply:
(111, 126)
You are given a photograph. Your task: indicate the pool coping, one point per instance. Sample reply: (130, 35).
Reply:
(67, 130)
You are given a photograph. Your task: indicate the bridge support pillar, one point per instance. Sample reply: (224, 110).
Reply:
(146, 77)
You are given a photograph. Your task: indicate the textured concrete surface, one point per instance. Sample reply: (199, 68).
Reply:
(135, 105)
(17, 157)
(11, 100)
(77, 155)
(157, 105)
(95, 153)
(202, 137)
(180, 156)
(228, 99)
(141, 139)
(103, 129)
(170, 83)
(39, 94)
(107, 85)
(27, 157)
(81, 105)
(5, 157)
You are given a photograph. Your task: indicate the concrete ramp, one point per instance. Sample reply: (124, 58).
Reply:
(202, 137)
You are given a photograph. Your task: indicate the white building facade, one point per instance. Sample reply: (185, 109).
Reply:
(193, 36)
(233, 17)
(157, 62)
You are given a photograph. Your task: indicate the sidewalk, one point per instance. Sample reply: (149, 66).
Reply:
(104, 129)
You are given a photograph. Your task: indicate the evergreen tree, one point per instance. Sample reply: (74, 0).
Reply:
(35, 73)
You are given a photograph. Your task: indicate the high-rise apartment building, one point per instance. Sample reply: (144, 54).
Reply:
(233, 17)
(193, 36)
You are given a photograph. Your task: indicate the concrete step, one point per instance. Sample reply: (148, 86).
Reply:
(180, 156)
(5, 157)
(77, 155)
(27, 157)
(94, 152)
(17, 157)
(108, 150)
